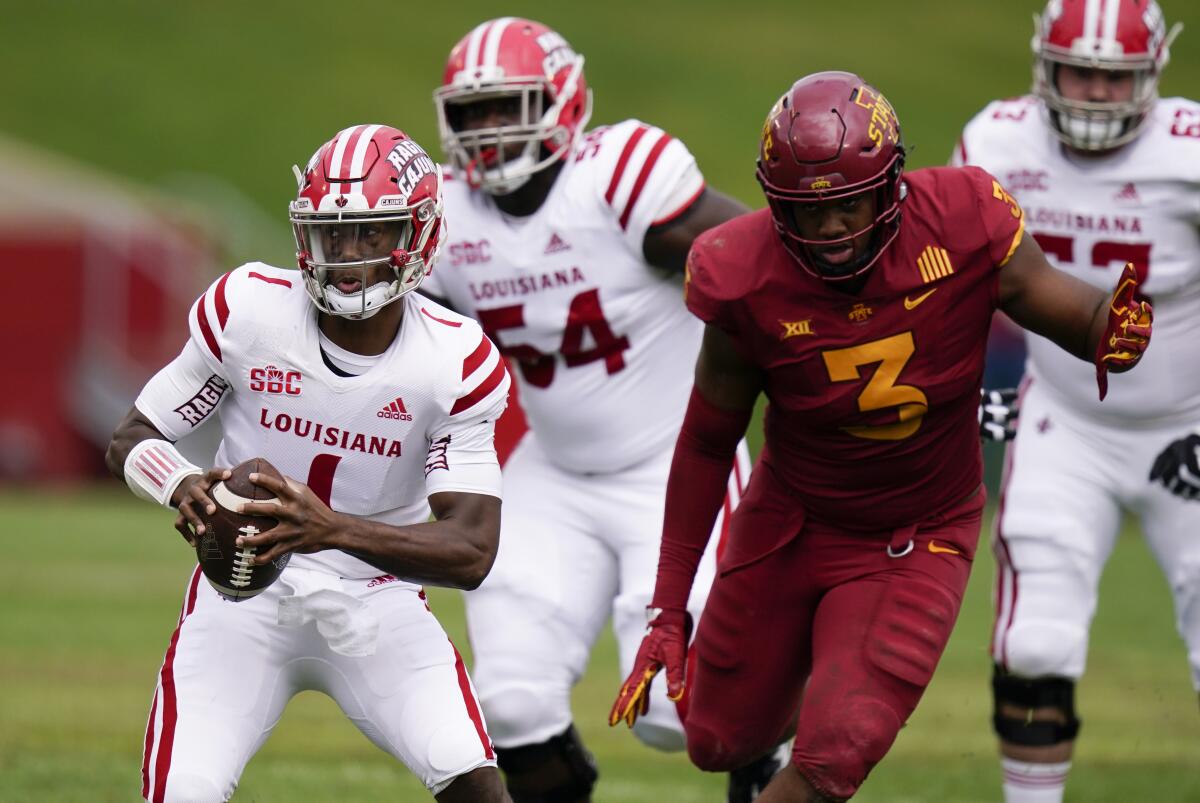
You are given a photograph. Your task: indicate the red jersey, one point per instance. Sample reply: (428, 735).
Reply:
(873, 396)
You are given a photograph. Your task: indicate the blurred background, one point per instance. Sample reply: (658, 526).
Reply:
(146, 147)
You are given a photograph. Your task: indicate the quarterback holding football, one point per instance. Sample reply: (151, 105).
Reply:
(377, 406)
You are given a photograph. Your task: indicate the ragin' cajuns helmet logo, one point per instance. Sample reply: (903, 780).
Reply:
(411, 164)
(884, 123)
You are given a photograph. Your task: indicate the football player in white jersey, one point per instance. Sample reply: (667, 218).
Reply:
(1107, 173)
(378, 405)
(569, 248)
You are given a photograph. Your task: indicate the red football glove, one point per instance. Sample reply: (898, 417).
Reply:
(665, 645)
(1127, 333)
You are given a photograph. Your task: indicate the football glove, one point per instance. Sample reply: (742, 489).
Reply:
(998, 413)
(1127, 333)
(1178, 467)
(664, 645)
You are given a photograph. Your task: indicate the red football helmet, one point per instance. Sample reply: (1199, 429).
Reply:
(521, 60)
(832, 135)
(1118, 35)
(369, 196)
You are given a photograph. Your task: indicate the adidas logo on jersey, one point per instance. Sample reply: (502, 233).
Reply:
(556, 245)
(395, 410)
(1127, 193)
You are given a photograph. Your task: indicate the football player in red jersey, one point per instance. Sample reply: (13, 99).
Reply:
(859, 303)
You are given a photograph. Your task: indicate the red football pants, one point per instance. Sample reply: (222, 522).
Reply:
(827, 633)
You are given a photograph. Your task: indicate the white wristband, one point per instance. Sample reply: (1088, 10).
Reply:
(154, 470)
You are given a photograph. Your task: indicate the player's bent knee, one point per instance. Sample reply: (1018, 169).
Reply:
(1037, 648)
(660, 737)
(714, 751)
(558, 770)
(518, 713)
(1052, 697)
(183, 787)
(837, 758)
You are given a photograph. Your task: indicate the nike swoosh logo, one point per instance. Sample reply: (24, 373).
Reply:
(912, 303)
(933, 547)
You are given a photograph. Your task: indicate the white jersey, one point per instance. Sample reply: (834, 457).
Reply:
(420, 421)
(604, 347)
(1091, 216)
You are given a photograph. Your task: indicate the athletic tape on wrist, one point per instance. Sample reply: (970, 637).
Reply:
(154, 469)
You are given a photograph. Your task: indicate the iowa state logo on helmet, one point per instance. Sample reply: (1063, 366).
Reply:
(884, 123)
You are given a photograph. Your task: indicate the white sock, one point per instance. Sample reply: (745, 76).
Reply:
(1025, 782)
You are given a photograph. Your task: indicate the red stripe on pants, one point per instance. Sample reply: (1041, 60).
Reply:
(166, 738)
(464, 685)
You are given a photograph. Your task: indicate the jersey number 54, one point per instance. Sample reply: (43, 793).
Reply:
(583, 317)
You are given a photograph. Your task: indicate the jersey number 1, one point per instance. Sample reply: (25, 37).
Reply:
(584, 317)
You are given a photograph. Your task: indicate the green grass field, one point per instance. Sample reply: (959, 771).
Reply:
(91, 587)
(210, 102)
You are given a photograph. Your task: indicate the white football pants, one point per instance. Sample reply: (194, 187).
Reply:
(574, 548)
(230, 669)
(1066, 482)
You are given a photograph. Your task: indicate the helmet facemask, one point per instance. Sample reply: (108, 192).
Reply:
(1097, 126)
(340, 255)
(480, 153)
(887, 190)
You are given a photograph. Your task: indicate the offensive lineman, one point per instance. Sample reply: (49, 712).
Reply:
(384, 402)
(569, 248)
(1107, 173)
(859, 303)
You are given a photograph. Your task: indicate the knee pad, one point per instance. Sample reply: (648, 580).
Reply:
(183, 787)
(519, 713)
(1030, 693)
(1041, 647)
(558, 770)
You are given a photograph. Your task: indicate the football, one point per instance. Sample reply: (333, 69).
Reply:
(229, 569)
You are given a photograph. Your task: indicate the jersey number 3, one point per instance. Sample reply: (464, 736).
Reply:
(892, 354)
(584, 317)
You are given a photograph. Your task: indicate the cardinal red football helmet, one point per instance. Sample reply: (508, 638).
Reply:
(521, 60)
(370, 196)
(832, 135)
(1118, 35)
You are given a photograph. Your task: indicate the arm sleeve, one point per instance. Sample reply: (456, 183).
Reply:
(704, 455)
(184, 394)
(464, 460)
(646, 177)
(462, 449)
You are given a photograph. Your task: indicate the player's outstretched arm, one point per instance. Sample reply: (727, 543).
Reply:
(457, 550)
(722, 402)
(1048, 302)
(667, 246)
(1113, 330)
